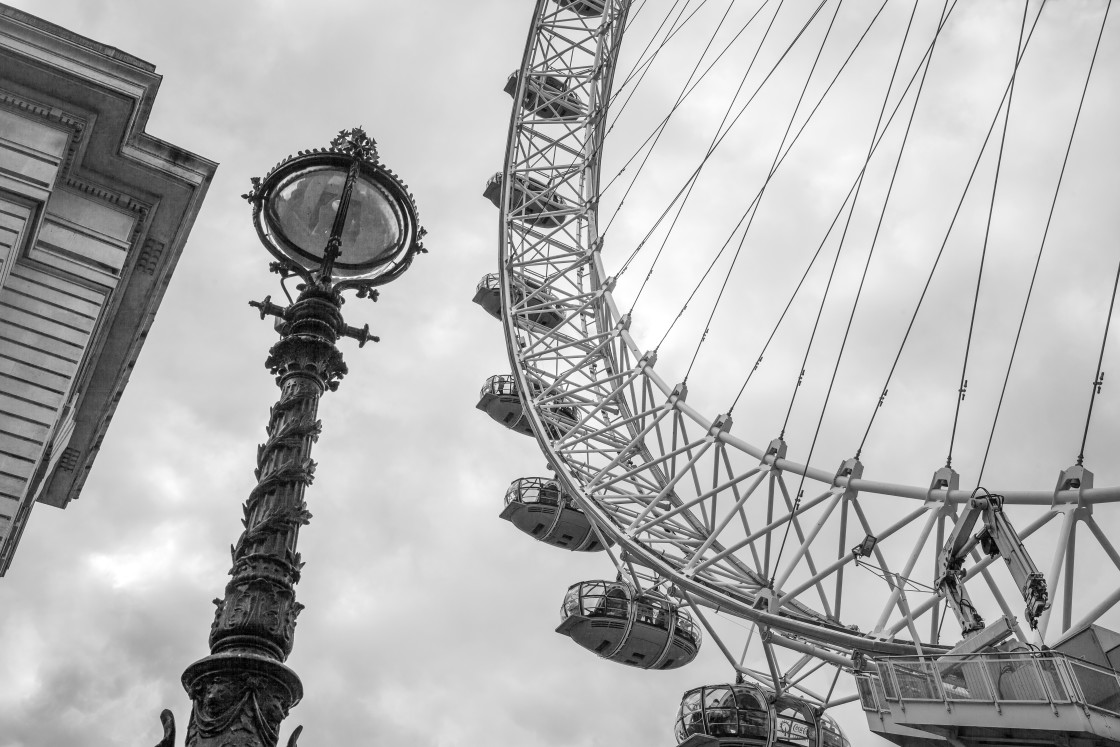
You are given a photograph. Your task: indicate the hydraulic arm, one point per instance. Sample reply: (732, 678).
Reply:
(997, 537)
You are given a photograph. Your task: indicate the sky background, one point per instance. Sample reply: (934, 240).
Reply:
(428, 620)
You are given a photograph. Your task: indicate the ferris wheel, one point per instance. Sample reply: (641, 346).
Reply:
(750, 261)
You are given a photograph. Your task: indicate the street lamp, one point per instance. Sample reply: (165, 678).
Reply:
(338, 220)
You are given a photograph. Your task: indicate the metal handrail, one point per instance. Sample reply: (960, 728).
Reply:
(537, 490)
(997, 678)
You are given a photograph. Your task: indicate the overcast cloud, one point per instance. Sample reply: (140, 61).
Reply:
(429, 621)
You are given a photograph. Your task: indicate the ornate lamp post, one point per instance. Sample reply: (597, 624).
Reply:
(338, 220)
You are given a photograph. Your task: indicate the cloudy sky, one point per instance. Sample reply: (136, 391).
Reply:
(429, 621)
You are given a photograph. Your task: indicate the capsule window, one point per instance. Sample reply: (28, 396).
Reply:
(796, 725)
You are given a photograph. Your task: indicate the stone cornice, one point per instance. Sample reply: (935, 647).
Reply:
(117, 199)
(72, 122)
(77, 39)
(103, 97)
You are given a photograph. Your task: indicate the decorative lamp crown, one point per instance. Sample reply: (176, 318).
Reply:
(337, 215)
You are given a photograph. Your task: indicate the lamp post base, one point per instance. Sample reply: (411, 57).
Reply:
(239, 700)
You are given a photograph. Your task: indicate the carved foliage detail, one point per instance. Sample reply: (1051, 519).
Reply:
(259, 601)
(308, 354)
(258, 607)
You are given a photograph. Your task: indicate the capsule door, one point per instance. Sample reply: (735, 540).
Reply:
(831, 735)
(795, 724)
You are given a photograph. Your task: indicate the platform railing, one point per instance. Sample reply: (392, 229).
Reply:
(996, 678)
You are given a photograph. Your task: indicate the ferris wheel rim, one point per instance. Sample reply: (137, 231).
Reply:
(609, 320)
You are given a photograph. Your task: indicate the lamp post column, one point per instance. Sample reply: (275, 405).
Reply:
(243, 690)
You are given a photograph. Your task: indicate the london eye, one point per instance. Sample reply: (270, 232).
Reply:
(807, 306)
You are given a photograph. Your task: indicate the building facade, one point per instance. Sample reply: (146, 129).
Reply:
(94, 213)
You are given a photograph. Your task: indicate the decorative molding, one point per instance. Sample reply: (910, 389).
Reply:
(119, 199)
(239, 700)
(149, 257)
(69, 459)
(76, 124)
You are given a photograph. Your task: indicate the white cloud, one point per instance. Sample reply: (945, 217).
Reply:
(429, 620)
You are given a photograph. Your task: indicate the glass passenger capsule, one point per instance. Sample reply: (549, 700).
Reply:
(644, 629)
(725, 715)
(745, 715)
(542, 305)
(585, 8)
(530, 200)
(501, 399)
(831, 736)
(547, 96)
(795, 723)
(539, 507)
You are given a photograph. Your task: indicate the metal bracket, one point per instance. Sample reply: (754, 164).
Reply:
(1072, 478)
(361, 335)
(268, 308)
(849, 469)
(945, 479)
(722, 424)
(775, 451)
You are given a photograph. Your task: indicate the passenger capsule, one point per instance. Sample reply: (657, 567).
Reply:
(831, 736)
(501, 399)
(488, 295)
(540, 508)
(644, 629)
(547, 96)
(795, 723)
(530, 200)
(725, 715)
(583, 7)
(543, 308)
(745, 715)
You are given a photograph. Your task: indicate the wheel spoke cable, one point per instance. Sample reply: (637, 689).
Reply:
(655, 137)
(876, 135)
(686, 190)
(883, 211)
(851, 190)
(1030, 288)
(840, 248)
(1099, 379)
(945, 241)
(689, 87)
(1100, 361)
(963, 385)
(693, 180)
(757, 201)
(642, 64)
(715, 145)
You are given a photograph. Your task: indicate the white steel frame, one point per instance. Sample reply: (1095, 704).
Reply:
(672, 486)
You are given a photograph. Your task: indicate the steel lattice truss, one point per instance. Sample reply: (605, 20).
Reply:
(682, 496)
